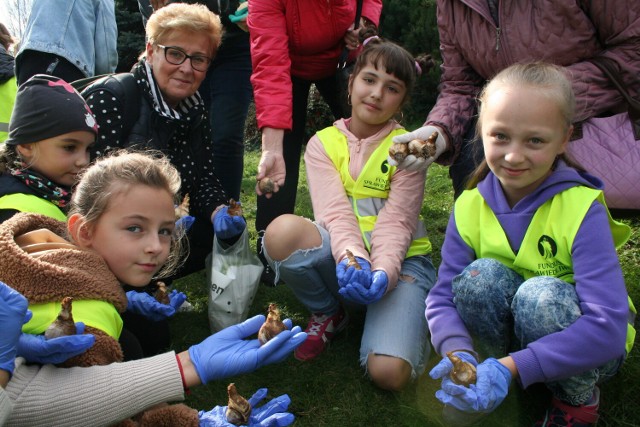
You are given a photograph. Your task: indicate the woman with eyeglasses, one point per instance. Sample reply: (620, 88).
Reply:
(162, 94)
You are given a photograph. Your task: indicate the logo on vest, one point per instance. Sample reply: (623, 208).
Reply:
(547, 247)
(380, 183)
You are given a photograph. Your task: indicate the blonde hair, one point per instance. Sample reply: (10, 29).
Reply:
(549, 79)
(111, 175)
(195, 18)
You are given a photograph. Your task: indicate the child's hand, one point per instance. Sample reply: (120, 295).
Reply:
(13, 312)
(359, 294)
(228, 226)
(228, 352)
(443, 368)
(272, 413)
(38, 349)
(146, 305)
(490, 389)
(350, 274)
(411, 162)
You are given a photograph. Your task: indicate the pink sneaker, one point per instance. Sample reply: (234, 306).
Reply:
(320, 331)
(563, 414)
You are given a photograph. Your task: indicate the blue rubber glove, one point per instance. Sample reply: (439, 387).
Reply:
(490, 389)
(226, 226)
(228, 353)
(271, 414)
(13, 313)
(349, 275)
(146, 305)
(359, 294)
(444, 367)
(186, 222)
(240, 15)
(38, 349)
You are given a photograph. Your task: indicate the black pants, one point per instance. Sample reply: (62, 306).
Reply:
(284, 200)
(32, 62)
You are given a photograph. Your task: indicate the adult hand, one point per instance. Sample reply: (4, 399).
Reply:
(240, 15)
(13, 313)
(271, 161)
(228, 353)
(490, 389)
(271, 414)
(444, 367)
(346, 275)
(146, 305)
(359, 294)
(228, 226)
(38, 349)
(411, 162)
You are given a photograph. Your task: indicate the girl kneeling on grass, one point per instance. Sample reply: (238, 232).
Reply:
(362, 204)
(122, 226)
(530, 254)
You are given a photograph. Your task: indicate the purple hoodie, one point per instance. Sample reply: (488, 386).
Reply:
(596, 337)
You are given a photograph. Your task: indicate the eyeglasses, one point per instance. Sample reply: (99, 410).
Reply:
(176, 56)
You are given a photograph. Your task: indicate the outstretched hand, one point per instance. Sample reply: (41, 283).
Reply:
(271, 161)
(350, 274)
(38, 349)
(490, 389)
(411, 162)
(146, 305)
(228, 226)
(271, 414)
(369, 294)
(13, 313)
(228, 352)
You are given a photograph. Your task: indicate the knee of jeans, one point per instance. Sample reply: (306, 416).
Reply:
(388, 373)
(480, 275)
(546, 298)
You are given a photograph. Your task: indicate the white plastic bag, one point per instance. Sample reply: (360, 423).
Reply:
(233, 275)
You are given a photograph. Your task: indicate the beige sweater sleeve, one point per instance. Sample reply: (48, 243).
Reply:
(5, 406)
(97, 396)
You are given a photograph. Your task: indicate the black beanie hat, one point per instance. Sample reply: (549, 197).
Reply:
(45, 107)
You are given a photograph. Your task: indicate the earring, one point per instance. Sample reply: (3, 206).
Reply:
(401, 116)
(348, 99)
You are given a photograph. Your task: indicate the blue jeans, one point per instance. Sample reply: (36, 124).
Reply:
(505, 312)
(394, 326)
(227, 93)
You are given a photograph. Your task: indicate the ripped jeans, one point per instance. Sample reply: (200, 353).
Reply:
(394, 326)
(503, 313)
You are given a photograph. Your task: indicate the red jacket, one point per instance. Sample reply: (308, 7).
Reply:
(566, 32)
(303, 38)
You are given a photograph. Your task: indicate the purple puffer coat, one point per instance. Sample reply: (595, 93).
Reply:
(566, 33)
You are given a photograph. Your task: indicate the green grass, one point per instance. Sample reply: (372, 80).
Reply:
(333, 390)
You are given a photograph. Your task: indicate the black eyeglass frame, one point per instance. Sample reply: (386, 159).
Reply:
(186, 56)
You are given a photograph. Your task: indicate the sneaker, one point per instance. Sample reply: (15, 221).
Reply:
(563, 414)
(320, 331)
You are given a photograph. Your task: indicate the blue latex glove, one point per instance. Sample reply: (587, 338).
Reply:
(444, 367)
(186, 222)
(350, 275)
(13, 313)
(146, 305)
(490, 389)
(228, 353)
(240, 15)
(226, 226)
(38, 349)
(271, 414)
(359, 294)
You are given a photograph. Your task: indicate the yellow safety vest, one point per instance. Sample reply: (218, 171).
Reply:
(97, 314)
(370, 191)
(31, 203)
(546, 246)
(8, 91)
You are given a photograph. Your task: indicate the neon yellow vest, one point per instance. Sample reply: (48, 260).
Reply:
(546, 246)
(8, 92)
(370, 191)
(98, 314)
(31, 203)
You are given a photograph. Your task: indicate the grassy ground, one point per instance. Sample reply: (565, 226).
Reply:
(333, 391)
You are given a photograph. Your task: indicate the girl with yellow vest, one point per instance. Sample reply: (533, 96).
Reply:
(530, 277)
(50, 132)
(362, 204)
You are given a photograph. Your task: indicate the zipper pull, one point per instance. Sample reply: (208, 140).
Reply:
(498, 31)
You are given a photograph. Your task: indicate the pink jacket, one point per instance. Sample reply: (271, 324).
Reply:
(396, 222)
(567, 33)
(303, 38)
